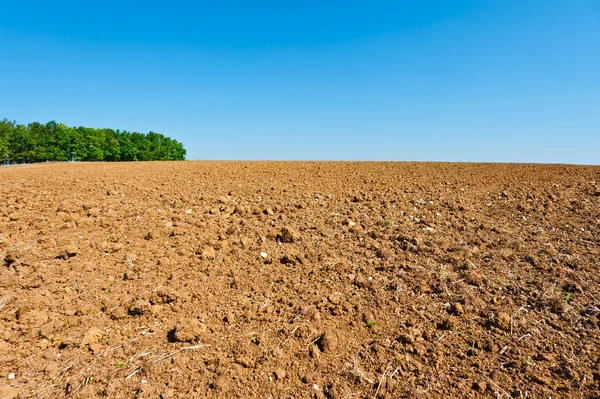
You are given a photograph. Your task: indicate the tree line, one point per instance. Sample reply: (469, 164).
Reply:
(37, 142)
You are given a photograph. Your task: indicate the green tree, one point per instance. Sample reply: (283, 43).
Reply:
(19, 145)
(6, 128)
(54, 141)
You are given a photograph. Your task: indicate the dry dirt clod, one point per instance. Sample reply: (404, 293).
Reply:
(328, 341)
(288, 235)
(7, 392)
(69, 251)
(5, 347)
(503, 321)
(336, 298)
(280, 374)
(164, 295)
(139, 307)
(458, 309)
(246, 362)
(446, 324)
(479, 386)
(119, 313)
(92, 336)
(292, 257)
(96, 348)
(208, 253)
(189, 330)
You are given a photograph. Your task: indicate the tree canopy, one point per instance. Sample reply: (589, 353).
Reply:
(37, 142)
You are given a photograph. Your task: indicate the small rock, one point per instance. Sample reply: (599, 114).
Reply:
(149, 236)
(11, 376)
(188, 212)
(264, 255)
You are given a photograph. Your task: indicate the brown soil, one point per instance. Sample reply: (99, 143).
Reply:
(284, 279)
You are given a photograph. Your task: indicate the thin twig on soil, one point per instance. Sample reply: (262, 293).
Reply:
(85, 381)
(4, 301)
(524, 336)
(380, 382)
(132, 374)
(289, 336)
(187, 348)
(48, 387)
(130, 341)
(502, 391)
(65, 371)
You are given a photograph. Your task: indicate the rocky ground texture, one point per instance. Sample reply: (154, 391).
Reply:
(299, 280)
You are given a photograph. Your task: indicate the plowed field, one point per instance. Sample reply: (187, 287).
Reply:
(299, 280)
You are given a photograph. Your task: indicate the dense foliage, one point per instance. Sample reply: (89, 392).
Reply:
(54, 141)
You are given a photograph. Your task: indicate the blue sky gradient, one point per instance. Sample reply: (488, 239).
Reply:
(503, 81)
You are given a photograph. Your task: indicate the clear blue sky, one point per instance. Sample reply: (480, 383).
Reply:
(399, 80)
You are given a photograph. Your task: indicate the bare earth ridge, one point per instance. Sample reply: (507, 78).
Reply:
(299, 280)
